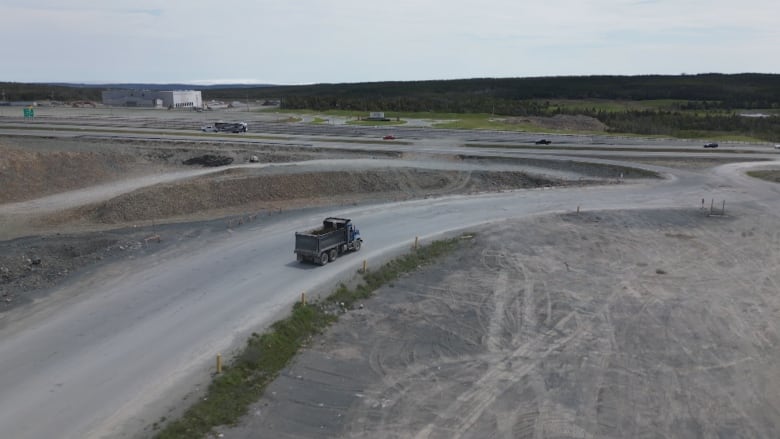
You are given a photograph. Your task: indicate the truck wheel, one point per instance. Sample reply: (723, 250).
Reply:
(332, 254)
(357, 244)
(324, 258)
(299, 257)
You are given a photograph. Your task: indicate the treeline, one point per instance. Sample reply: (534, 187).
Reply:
(500, 95)
(17, 91)
(744, 91)
(713, 96)
(678, 124)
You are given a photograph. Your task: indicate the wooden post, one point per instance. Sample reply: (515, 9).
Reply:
(712, 204)
(723, 210)
(219, 363)
(578, 209)
(364, 266)
(416, 239)
(303, 298)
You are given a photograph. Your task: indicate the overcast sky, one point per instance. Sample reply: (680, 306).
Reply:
(313, 41)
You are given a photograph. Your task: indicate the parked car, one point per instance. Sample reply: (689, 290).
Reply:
(389, 137)
(777, 146)
(209, 129)
(711, 145)
(543, 142)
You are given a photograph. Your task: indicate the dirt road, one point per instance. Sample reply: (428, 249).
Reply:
(656, 323)
(597, 325)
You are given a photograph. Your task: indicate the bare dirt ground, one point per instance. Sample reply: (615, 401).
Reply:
(597, 325)
(41, 248)
(592, 325)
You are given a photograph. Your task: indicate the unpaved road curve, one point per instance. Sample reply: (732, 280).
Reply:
(606, 324)
(103, 192)
(134, 333)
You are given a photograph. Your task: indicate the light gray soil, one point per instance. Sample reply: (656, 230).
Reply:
(67, 205)
(592, 325)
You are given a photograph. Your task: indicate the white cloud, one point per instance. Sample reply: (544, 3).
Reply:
(347, 41)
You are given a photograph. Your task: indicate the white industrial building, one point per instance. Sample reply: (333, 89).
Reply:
(187, 99)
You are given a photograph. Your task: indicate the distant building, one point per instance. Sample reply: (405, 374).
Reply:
(189, 99)
(377, 115)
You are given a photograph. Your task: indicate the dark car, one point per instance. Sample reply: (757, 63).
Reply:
(711, 145)
(389, 137)
(543, 142)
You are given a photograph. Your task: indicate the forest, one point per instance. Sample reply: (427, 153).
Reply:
(696, 103)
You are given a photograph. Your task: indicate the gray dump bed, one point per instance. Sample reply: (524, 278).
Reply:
(314, 244)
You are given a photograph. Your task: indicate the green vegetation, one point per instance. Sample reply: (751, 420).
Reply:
(17, 91)
(675, 106)
(290, 119)
(479, 121)
(707, 105)
(243, 382)
(500, 95)
(365, 122)
(319, 121)
(772, 175)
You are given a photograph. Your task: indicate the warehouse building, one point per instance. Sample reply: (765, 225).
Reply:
(186, 99)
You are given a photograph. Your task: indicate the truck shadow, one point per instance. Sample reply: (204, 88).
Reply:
(302, 265)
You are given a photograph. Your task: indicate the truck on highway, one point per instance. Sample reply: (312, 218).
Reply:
(231, 127)
(335, 237)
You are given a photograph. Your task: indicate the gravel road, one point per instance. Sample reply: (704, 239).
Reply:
(640, 315)
(648, 323)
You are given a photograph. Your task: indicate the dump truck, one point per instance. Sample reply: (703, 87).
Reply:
(231, 127)
(325, 244)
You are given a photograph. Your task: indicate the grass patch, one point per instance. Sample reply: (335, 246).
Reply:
(340, 113)
(319, 121)
(612, 106)
(290, 119)
(772, 175)
(485, 122)
(230, 394)
(364, 122)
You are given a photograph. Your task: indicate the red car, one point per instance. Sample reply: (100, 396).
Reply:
(389, 137)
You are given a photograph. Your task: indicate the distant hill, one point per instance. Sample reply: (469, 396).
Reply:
(511, 96)
(501, 95)
(66, 91)
(684, 105)
(148, 86)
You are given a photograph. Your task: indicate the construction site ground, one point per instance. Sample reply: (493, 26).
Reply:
(48, 239)
(592, 324)
(652, 323)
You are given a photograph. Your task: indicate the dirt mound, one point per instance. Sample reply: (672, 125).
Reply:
(26, 174)
(30, 264)
(35, 167)
(586, 169)
(209, 160)
(235, 190)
